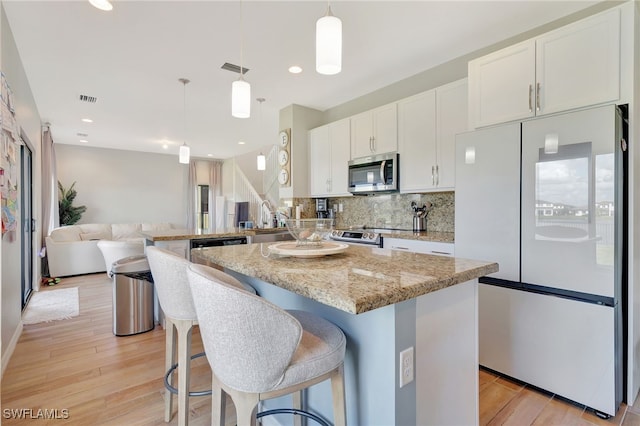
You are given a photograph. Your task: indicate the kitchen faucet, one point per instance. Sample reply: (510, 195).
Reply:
(268, 204)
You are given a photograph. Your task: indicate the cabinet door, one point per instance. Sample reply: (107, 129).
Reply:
(340, 136)
(385, 129)
(416, 142)
(361, 135)
(319, 161)
(579, 65)
(501, 85)
(451, 119)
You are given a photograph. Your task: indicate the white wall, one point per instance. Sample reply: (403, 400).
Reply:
(28, 120)
(124, 186)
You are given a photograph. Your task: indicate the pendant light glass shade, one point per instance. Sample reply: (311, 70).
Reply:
(102, 4)
(184, 154)
(329, 44)
(241, 98)
(262, 162)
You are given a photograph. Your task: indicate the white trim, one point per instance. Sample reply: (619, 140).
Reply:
(8, 352)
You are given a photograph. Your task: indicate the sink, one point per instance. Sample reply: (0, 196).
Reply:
(271, 235)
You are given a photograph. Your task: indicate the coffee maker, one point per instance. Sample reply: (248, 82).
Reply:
(322, 208)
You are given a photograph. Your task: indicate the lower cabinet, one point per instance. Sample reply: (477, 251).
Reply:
(416, 246)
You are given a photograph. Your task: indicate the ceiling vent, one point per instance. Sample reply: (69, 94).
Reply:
(82, 135)
(87, 98)
(234, 68)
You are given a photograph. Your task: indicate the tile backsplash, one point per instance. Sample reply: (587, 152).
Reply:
(388, 210)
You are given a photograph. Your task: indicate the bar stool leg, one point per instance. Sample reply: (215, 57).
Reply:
(169, 360)
(297, 404)
(337, 390)
(218, 402)
(184, 361)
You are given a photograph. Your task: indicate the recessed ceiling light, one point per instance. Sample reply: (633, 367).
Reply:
(165, 146)
(101, 4)
(241, 142)
(209, 155)
(87, 120)
(84, 141)
(295, 69)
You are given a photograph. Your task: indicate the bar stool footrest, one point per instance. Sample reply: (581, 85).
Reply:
(294, 411)
(173, 390)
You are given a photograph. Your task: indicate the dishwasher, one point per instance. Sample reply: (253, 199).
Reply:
(218, 241)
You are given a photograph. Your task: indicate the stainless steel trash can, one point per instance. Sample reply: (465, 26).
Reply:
(132, 296)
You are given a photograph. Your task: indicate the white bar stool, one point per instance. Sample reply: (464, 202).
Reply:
(259, 351)
(170, 279)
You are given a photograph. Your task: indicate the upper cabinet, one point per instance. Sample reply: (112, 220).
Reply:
(427, 125)
(329, 155)
(574, 66)
(374, 131)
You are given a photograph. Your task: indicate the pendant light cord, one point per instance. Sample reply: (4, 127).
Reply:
(241, 43)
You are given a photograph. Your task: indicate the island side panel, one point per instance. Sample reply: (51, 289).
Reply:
(447, 356)
(371, 369)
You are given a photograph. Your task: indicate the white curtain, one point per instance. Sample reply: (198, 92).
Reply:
(215, 190)
(192, 187)
(50, 214)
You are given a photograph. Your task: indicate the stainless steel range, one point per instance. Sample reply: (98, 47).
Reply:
(357, 236)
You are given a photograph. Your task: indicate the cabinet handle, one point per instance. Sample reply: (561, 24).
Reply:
(437, 175)
(537, 96)
(441, 252)
(328, 185)
(433, 177)
(373, 141)
(370, 144)
(530, 96)
(399, 248)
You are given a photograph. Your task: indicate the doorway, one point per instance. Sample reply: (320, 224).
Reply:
(27, 221)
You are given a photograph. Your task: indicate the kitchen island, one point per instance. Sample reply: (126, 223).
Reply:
(386, 302)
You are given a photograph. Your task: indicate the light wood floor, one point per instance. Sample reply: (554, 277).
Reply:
(79, 365)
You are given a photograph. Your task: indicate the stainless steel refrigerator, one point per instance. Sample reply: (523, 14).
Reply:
(545, 198)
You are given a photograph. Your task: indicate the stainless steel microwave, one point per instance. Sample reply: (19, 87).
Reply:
(374, 174)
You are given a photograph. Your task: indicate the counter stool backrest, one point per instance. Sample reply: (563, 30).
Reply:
(249, 341)
(170, 278)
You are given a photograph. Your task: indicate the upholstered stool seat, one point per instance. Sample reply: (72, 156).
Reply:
(259, 351)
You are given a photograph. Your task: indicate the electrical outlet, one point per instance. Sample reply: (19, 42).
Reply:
(406, 366)
(340, 207)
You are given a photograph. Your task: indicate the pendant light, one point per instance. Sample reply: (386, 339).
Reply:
(261, 160)
(241, 89)
(329, 44)
(184, 149)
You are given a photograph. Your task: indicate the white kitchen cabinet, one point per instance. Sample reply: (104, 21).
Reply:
(329, 153)
(374, 131)
(574, 66)
(427, 125)
(417, 142)
(418, 246)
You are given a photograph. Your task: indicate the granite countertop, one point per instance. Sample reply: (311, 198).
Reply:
(186, 234)
(356, 281)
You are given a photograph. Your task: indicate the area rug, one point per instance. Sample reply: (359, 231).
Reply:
(51, 305)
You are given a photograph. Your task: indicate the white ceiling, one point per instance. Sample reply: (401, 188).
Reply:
(132, 57)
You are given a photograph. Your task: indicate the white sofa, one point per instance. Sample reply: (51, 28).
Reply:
(73, 250)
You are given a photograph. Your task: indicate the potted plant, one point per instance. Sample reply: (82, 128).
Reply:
(69, 214)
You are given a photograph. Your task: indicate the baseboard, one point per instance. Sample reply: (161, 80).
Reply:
(8, 352)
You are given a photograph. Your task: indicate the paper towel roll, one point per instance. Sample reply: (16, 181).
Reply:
(298, 211)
